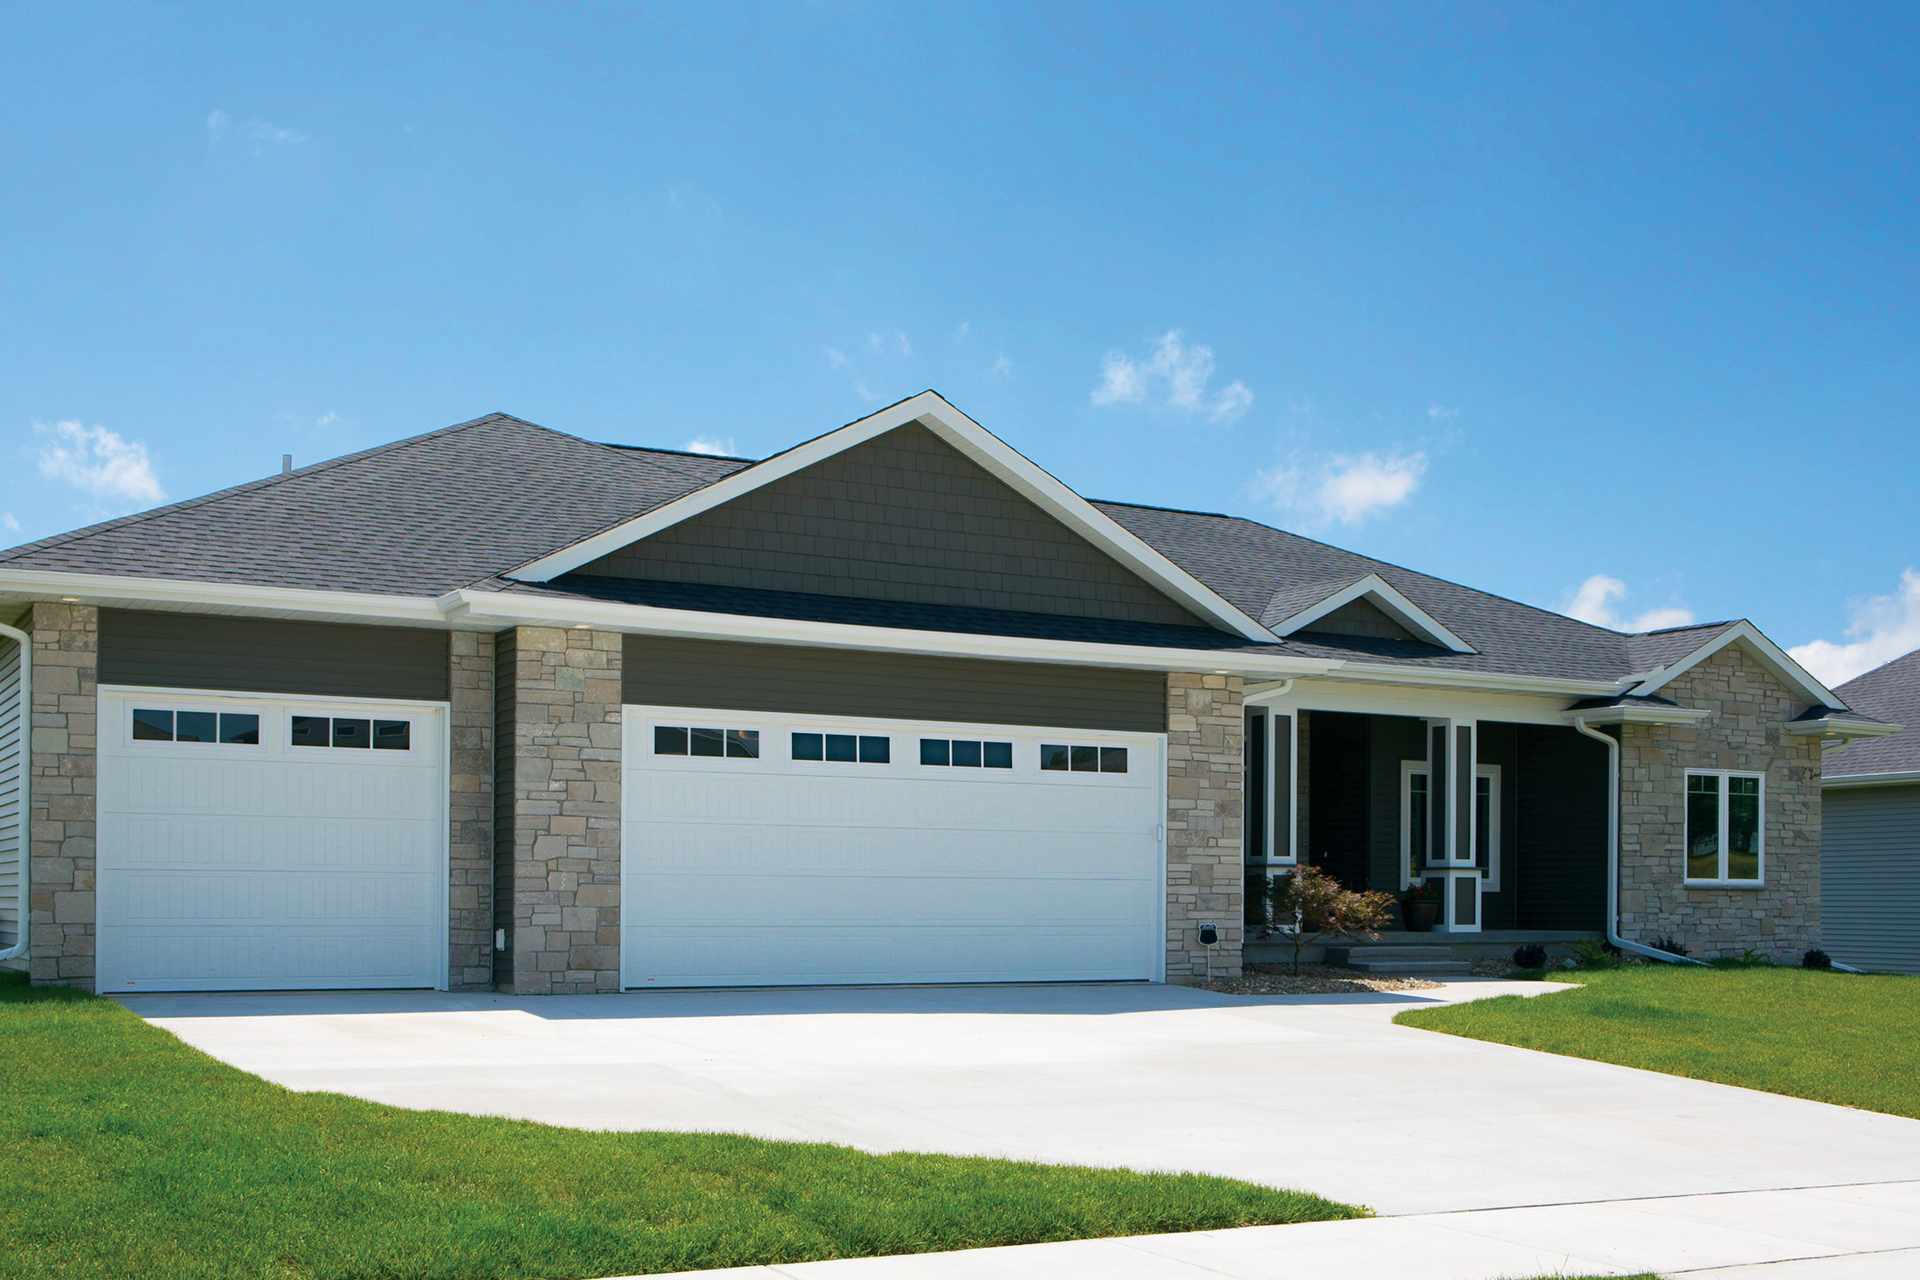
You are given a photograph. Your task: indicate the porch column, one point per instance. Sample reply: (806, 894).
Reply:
(1452, 758)
(1205, 874)
(60, 792)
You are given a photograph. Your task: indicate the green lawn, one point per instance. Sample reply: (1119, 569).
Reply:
(1833, 1037)
(124, 1152)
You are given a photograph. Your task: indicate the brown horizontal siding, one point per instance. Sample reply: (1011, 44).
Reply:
(263, 655)
(809, 681)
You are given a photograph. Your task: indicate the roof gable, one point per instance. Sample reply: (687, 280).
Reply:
(1312, 607)
(966, 437)
(1743, 633)
(902, 517)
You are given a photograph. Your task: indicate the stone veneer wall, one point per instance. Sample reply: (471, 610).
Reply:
(61, 790)
(1780, 919)
(565, 693)
(1205, 800)
(470, 811)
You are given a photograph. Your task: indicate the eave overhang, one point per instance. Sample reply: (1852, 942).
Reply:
(1904, 777)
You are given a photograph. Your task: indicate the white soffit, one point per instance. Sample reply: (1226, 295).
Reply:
(1382, 595)
(971, 439)
(1770, 655)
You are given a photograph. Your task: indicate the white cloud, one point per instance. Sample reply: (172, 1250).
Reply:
(1440, 413)
(99, 462)
(714, 445)
(259, 133)
(880, 344)
(1346, 488)
(326, 419)
(8, 523)
(1002, 368)
(836, 358)
(965, 328)
(1594, 601)
(1175, 372)
(1884, 627)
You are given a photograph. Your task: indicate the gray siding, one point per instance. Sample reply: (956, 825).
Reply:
(1560, 837)
(658, 671)
(1870, 877)
(1500, 744)
(262, 655)
(903, 517)
(1395, 738)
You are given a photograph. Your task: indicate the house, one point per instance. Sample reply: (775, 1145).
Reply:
(1870, 828)
(498, 707)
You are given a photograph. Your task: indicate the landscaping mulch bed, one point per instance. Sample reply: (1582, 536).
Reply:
(1314, 980)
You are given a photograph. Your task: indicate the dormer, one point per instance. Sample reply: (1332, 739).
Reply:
(1367, 607)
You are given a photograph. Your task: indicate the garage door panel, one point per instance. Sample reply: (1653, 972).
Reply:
(775, 871)
(266, 865)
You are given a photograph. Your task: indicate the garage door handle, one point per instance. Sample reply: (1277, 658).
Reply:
(1160, 833)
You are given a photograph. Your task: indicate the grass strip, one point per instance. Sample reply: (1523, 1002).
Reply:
(1832, 1037)
(129, 1153)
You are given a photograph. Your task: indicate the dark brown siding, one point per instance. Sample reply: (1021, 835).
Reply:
(902, 517)
(1561, 845)
(262, 655)
(665, 672)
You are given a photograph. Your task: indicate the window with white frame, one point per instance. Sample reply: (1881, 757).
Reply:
(1414, 857)
(1726, 829)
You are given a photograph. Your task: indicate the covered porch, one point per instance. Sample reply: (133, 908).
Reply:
(1498, 805)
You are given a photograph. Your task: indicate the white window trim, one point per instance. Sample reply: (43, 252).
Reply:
(1490, 879)
(1726, 811)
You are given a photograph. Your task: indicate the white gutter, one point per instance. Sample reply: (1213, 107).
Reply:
(1613, 852)
(19, 948)
(1841, 782)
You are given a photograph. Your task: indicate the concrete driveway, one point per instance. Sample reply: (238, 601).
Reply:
(1315, 1092)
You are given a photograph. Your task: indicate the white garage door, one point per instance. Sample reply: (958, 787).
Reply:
(764, 850)
(270, 843)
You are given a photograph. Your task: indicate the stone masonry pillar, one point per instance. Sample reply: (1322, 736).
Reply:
(60, 797)
(565, 700)
(1205, 797)
(470, 811)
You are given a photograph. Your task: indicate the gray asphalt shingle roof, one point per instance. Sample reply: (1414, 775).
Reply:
(1890, 693)
(460, 506)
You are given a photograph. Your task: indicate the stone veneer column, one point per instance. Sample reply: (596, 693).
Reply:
(470, 811)
(1205, 796)
(566, 810)
(1781, 918)
(60, 798)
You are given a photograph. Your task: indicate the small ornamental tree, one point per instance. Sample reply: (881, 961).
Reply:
(1309, 906)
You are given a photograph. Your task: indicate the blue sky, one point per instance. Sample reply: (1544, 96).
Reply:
(1604, 307)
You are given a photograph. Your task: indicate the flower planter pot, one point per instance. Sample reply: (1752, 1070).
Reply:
(1419, 916)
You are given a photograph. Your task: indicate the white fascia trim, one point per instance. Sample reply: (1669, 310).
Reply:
(1827, 727)
(1492, 681)
(1639, 715)
(971, 439)
(501, 609)
(1770, 654)
(110, 591)
(1870, 780)
(1389, 601)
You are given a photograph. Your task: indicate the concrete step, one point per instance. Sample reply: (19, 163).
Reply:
(1414, 968)
(1399, 955)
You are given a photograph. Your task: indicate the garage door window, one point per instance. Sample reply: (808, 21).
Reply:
(960, 753)
(350, 732)
(1067, 758)
(729, 744)
(225, 728)
(843, 748)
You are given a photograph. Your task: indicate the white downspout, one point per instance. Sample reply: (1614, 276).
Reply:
(1613, 852)
(19, 948)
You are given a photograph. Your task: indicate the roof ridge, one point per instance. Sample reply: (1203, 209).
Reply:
(1149, 506)
(679, 453)
(1691, 626)
(188, 504)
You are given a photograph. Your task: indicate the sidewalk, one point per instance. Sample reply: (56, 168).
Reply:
(1859, 1232)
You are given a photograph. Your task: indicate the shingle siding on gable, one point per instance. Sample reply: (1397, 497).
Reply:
(1359, 618)
(903, 517)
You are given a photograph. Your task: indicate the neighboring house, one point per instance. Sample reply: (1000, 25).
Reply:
(1870, 863)
(497, 706)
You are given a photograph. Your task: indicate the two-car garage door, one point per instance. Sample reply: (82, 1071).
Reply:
(783, 849)
(258, 843)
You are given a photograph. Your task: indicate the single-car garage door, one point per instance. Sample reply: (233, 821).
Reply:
(777, 849)
(270, 843)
